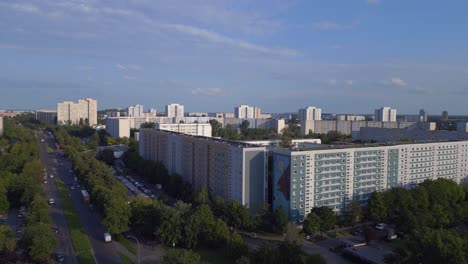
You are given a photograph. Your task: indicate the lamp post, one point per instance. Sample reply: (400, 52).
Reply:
(138, 243)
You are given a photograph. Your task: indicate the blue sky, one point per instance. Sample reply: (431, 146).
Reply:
(345, 56)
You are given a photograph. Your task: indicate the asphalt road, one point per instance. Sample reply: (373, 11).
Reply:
(90, 220)
(64, 243)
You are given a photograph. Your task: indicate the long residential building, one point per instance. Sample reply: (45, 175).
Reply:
(233, 170)
(333, 176)
(1, 126)
(85, 110)
(347, 127)
(195, 129)
(47, 116)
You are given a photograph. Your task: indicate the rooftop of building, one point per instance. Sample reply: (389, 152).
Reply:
(46, 111)
(214, 139)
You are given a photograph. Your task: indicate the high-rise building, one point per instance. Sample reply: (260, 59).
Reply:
(233, 170)
(333, 177)
(195, 129)
(118, 127)
(385, 114)
(307, 116)
(47, 116)
(445, 115)
(245, 111)
(422, 115)
(1, 125)
(84, 111)
(135, 111)
(175, 110)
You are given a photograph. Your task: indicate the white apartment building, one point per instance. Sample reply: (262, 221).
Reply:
(72, 113)
(1, 126)
(189, 129)
(307, 116)
(48, 116)
(385, 114)
(175, 110)
(135, 111)
(118, 127)
(303, 179)
(245, 111)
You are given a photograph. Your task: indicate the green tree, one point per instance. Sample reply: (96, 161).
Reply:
(39, 240)
(4, 204)
(353, 213)
(117, 213)
(236, 247)
(216, 128)
(148, 125)
(279, 220)
(107, 156)
(181, 256)
(311, 224)
(243, 260)
(292, 234)
(7, 239)
(244, 127)
(375, 208)
(327, 217)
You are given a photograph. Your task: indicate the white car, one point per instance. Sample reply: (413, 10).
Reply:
(380, 226)
(51, 201)
(51, 176)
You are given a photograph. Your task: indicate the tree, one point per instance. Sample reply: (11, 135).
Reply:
(7, 239)
(327, 218)
(39, 240)
(279, 220)
(4, 204)
(243, 260)
(353, 213)
(181, 256)
(148, 125)
(236, 247)
(292, 234)
(117, 213)
(107, 156)
(311, 224)
(375, 208)
(216, 128)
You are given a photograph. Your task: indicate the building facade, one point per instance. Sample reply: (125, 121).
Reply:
(385, 114)
(195, 129)
(47, 116)
(118, 127)
(245, 111)
(72, 113)
(232, 170)
(1, 126)
(135, 111)
(333, 177)
(349, 127)
(175, 110)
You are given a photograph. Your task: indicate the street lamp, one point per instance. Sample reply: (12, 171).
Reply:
(138, 243)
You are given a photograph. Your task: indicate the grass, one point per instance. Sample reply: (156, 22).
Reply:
(126, 243)
(316, 258)
(211, 256)
(125, 259)
(79, 238)
(335, 234)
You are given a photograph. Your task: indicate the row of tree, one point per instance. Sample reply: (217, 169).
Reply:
(20, 177)
(107, 193)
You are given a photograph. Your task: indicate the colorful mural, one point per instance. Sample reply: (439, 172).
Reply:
(281, 181)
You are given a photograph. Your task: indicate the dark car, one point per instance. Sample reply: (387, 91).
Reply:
(60, 257)
(357, 232)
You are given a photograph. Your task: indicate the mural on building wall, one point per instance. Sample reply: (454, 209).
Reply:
(281, 181)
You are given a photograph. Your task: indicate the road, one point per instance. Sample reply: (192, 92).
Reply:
(90, 220)
(64, 243)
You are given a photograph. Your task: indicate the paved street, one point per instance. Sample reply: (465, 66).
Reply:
(89, 219)
(64, 243)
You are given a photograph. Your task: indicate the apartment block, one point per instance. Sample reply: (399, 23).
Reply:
(245, 111)
(332, 177)
(1, 126)
(135, 111)
(348, 127)
(118, 127)
(47, 116)
(232, 170)
(195, 129)
(175, 110)
(84, 110)
(385, 114)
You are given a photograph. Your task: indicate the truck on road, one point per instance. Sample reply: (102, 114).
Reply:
(85, 196)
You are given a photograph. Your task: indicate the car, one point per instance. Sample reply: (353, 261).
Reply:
(20, 215)
(51, 201)
(56, 230)
(357, 232)
(253, 235)
(51, 176)
(72, 187)
(59, 257)
(42, 140)
(380, 226)
(45, 181)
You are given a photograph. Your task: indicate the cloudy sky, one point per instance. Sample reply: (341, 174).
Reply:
(211, 55)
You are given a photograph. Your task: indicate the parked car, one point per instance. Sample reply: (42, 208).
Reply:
(51, 201)
(60, 257)
(380, 226)
(357, 232)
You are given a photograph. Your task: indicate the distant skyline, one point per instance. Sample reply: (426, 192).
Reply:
(344, 56)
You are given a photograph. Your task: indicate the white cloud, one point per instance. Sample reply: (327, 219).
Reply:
(349, 82)
(132, 67)
(25, 8)
(129, 78)
(332, 82)
(373, 2)
(220, 39)
(398, 82)
(208, 91)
